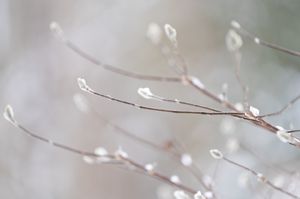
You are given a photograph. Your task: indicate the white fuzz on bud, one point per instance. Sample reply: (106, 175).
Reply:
(175, 179)
(186, 159)
(171, 34)
(179, 194)
(284, 136)
(8, 114)
(233, 41)
(154, 33)
(145, 93)
(235, 24)
(57, 31)
(81, 103)
(83, 85)
(199, 195)
(254, 111)
(216, 154)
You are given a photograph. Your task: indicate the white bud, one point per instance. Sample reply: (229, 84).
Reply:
(261, 177)
(197, 82)
(216, 154)
(208, 195)
(239, 106)
(233, 41)
(57, 31)
(120, 154)
(81, 103)
(257, 40)
(186, 159)
(284, 136)
(88, 160)
(179, 194)
(199, 195)
(175, 179)
(254, 111)
(145, 93)
(171, 34)
(8, 114)
(235, 24)
(100, 151)
(82, 84)
(154, 33)
(150, 168)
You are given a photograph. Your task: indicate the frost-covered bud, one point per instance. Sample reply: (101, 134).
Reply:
(175, 179)
(81, 103)
(145, 93)
(57, 31)
(179, 194)
(233, 41)
(88, 159)
(216, 154)
(199, 195)
(120, 154)
(235, 24)
(171, 34)
(254, 111)
(83, 85)
(186, 159)
(154, 33)
(284, 136)
(261, 178)
(8, 114)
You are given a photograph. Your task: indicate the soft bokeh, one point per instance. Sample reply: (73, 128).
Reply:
(38, 78)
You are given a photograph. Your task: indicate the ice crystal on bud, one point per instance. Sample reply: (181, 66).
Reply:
(57, 30)
(186, 159)
(233, 41)
(197, 82)
(216, 154)
(261, 177)
(120, 154)
(257, 40)
(283, 135)
(254, 111)
(171, 33)
(88, 160)
(179, 194)
(100, 151)
(80, 102)
(199, 195)
(235, 24)
(175, 179)
(8, 114)
(145, 93)
(154, 33)
(82, 84)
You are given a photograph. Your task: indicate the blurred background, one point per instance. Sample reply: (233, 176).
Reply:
(38, 78)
